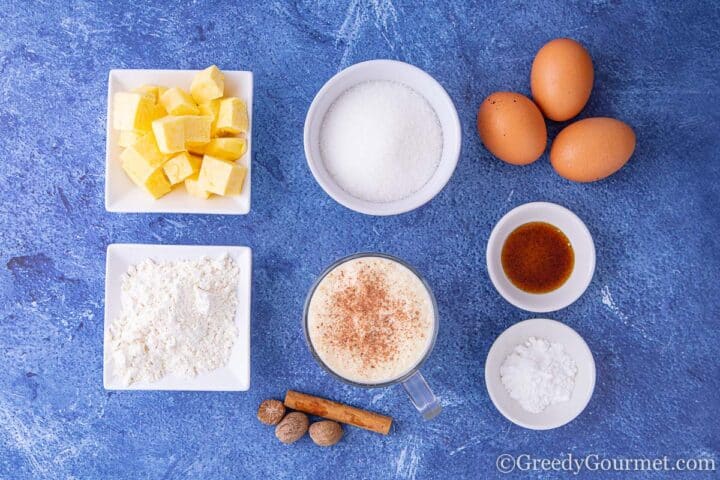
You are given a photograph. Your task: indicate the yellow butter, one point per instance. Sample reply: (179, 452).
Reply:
(232, 117)
(196, 148)
(211, 109)
(152, 91)
(146, 148)
(129, 137)
(181, 166)
(227, 148)
(170, 134)
(177, 101)
(132, 111)
(221, 177)
(207, 85)
(192, 185)
(159, 112)
(144, 174)
(197, 128)
(164, 130)
(156, 184)
(136, 166)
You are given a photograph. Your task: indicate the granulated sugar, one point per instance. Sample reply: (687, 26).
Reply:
(381, 141)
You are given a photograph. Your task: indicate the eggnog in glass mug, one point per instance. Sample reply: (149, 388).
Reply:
(371, 321)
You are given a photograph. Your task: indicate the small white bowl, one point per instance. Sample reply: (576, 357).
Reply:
(422, 83)
(580, 239)
(122, 195)
(233, 377)
(554, 415)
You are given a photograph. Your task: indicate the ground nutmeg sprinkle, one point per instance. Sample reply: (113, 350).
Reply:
(370, 322)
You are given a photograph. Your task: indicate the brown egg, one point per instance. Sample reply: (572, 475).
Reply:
(512, 128)
(561, 79)
(592, 149)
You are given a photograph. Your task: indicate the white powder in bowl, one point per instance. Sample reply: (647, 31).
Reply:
(381, 141)
(177, 318)
(539, 373)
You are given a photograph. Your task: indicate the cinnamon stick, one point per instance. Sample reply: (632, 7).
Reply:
(339, 412)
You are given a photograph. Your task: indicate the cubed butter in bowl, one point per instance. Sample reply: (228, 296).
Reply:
(232, 118)
(170, 134)
(197, 129)
(227, 148)
(162, 125)
(181, 166)
(177, 101)
(132, 111)
(208, 85)
(221, 177)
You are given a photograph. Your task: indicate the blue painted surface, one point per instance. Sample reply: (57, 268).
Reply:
(650, 315)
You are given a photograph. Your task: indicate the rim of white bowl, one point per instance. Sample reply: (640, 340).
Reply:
(497, 354)
(451, 129)
(582, 243)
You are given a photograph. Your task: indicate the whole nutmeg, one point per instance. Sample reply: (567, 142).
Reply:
(270, 412)
(292, 427)
(326, 433)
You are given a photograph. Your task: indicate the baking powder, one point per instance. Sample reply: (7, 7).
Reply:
(539, 373)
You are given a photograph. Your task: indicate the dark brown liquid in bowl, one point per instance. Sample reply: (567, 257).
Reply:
(537, 257)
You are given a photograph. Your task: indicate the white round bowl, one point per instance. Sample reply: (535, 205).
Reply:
(580, 239)
(554, 415)
(422, 83)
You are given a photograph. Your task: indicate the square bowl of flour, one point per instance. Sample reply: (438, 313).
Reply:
(177, 317)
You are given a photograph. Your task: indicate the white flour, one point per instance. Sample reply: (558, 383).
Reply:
(539, 373)
(177, 318)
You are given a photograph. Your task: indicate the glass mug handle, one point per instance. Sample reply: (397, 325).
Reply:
(421, 396)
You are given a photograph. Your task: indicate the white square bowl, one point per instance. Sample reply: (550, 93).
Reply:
(122, 195)
(235, 376)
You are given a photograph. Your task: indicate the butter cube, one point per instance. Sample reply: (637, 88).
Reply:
(192, 185)
(177, 101)
(136, 166)
(146, 148)
(170, 134)
(211, 109)
(129, 137)
(227, 148)
(144, 174)
(208, 85)
(197, 129)
(156, 184)
(152, 91)
(196, 148)
(232, 117)
(221, 177)
(181, 166)
(132, 111)
(159, 112)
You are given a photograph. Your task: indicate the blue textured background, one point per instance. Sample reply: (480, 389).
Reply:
(650, 315)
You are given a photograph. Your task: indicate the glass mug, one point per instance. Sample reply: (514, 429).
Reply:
(413, 382)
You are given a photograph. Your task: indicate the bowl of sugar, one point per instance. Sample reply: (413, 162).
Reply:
(382, 137)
